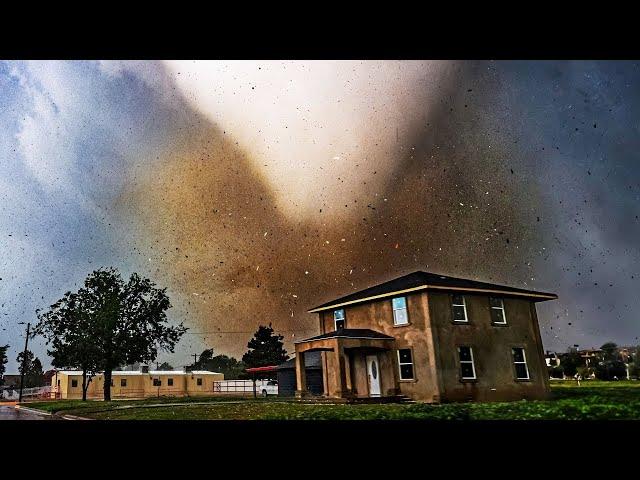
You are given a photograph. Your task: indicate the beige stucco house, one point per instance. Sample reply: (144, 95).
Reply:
(432, 338)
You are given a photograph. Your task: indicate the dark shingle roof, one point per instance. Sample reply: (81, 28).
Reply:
(312, 360)
(426, 279)
(350, 333)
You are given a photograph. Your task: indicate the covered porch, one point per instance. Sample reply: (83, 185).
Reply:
(357, 363)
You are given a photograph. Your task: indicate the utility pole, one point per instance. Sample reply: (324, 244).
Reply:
(24, 361)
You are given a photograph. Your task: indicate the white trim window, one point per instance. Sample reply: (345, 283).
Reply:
(339, 319)
(400, 316)
(497, 311)
(405, 363)
(520, 362)
(467, 367)
(459, 307)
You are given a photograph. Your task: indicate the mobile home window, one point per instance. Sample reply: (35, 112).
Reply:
(170, 382)
(405, 361)
(123, 382)
(459, 308)
(157, 382)
(400, 311)
(467, 368)
(199, 382)
(520, 362)
(338, 318)
(74, 383)
(497, 311)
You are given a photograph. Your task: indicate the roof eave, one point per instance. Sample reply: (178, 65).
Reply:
(540, 296)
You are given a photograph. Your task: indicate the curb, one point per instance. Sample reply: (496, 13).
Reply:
(33, 410)
(48, 414)
(73, 417)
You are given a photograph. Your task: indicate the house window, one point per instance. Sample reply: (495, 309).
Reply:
(497, 311)
(74, 383)
(123, 382)
(338, 318)
(467, 368)
(400, 311)
(199, 382)
(405, 361)
(520, 362)
(170, 382)
(459, 308)
(112, 382)
(157, 382)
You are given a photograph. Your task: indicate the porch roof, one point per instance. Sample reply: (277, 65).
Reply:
(355, 333)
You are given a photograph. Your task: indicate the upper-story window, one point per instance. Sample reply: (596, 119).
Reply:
(338, 318)
(459, 308)
(400, 316)
(497, 311)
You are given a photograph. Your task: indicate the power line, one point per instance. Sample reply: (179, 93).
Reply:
(249, 331)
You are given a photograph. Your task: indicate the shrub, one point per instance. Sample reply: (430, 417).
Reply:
(556, 371)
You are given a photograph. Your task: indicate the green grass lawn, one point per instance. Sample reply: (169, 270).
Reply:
(593, 400)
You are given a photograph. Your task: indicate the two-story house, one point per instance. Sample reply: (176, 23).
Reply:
(430, 337)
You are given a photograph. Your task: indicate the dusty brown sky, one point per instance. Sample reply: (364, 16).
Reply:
(240, 252)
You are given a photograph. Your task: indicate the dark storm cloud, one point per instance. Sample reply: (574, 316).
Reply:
(523, 173)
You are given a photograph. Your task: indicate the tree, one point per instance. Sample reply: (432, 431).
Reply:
(570, 362)
(229, 366)
(609, 351)
(607, 370)
(126, 321)
(165, 366)
(69, 327)
(555, 371)
(265, 349)
(3, 362)
(36, 375)
(31, 367)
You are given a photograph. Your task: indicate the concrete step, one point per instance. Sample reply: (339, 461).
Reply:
(405, 400)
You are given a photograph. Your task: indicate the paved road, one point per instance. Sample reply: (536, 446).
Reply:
(7, 412)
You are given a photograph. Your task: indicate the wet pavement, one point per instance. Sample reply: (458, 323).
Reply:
(8, 412)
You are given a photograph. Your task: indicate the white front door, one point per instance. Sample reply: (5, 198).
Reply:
(373, 372)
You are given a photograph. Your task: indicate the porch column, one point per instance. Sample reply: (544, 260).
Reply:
(392, 358)
(342, 372)
(301, 378)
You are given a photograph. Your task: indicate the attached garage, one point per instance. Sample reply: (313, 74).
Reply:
(313, 371)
